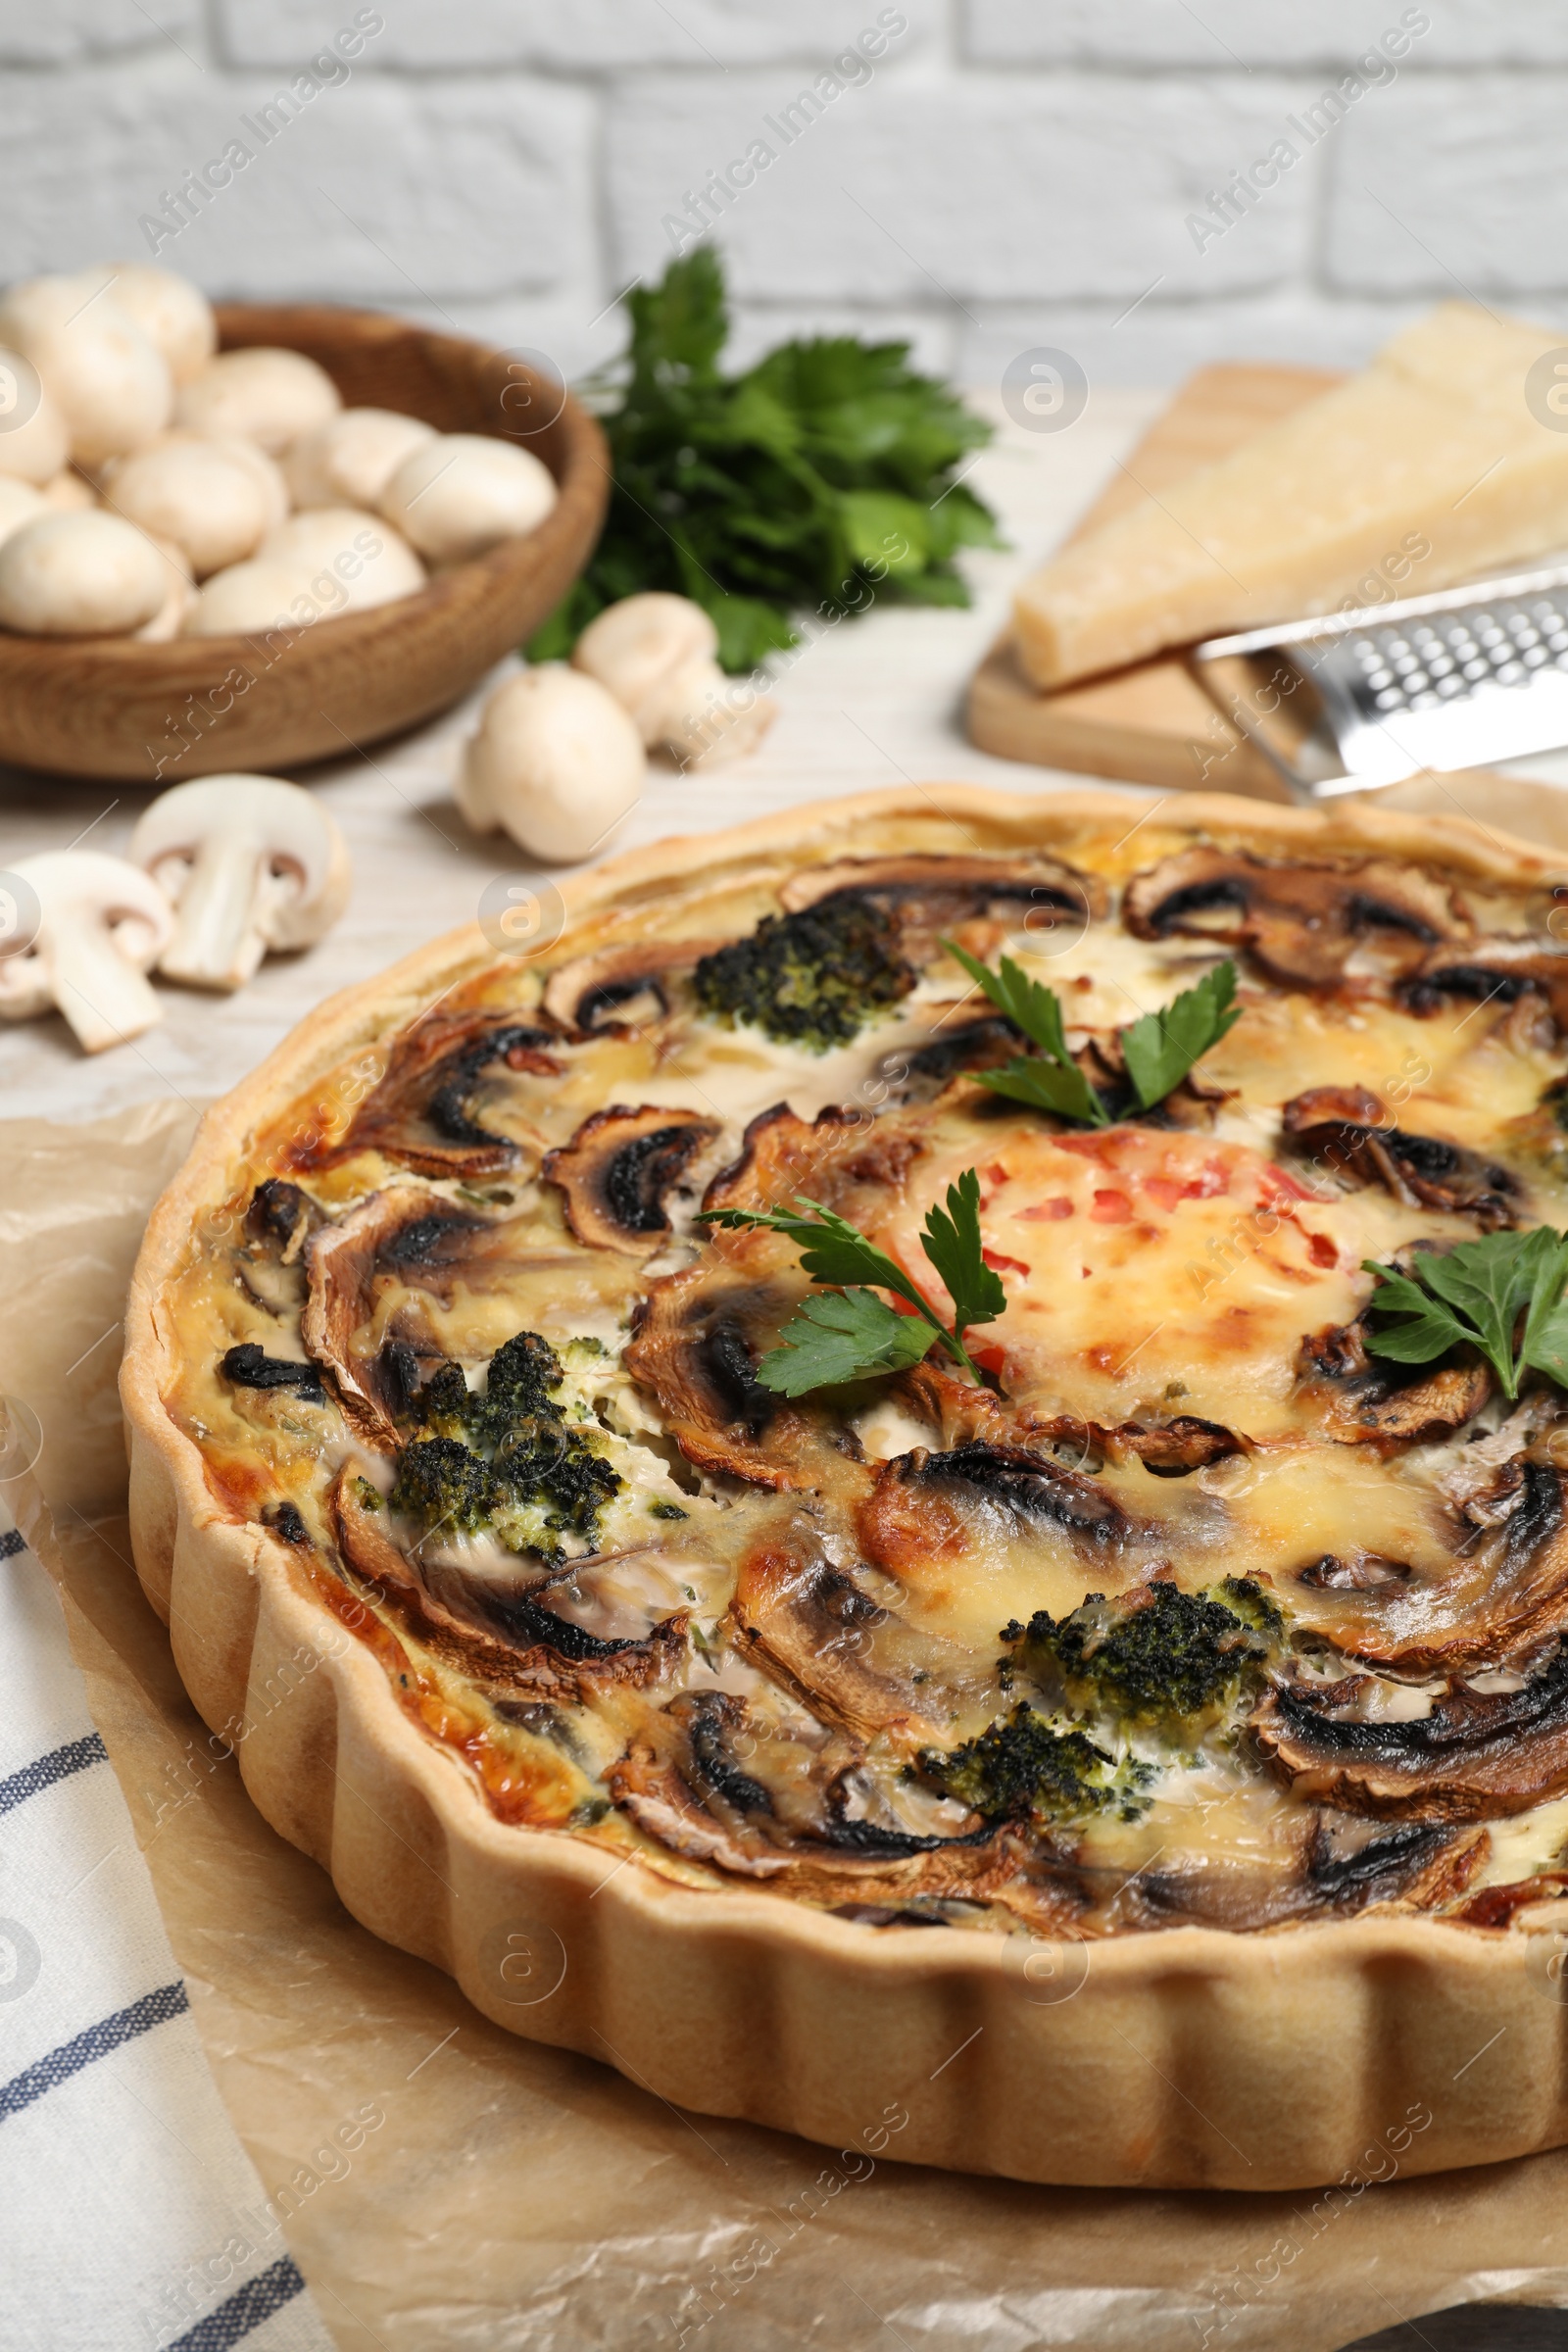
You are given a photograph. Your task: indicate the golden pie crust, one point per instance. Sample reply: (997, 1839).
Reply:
(1190, 2057)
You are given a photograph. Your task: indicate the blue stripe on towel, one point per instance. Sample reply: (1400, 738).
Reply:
(247, 2308)
(57, 2066)
(57, 1765)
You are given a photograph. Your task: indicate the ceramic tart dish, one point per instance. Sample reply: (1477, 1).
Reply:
(1134, 1748)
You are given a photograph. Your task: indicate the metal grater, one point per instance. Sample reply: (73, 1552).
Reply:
(1455, 680)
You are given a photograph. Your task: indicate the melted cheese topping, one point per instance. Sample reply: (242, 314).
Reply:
(1150, 1273)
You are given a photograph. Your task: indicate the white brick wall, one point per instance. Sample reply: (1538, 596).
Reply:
(1008, 173)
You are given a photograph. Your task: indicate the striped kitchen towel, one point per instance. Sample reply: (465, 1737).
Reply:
(120, 2175)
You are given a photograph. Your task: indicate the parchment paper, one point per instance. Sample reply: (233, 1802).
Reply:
(444, 2184)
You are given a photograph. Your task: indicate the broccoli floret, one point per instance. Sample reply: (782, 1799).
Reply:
(441, 1484)
(1021, 1767)
(813, 978)
(443, 1405)
(552, 1468)
(502, 1460)
(1158, 1655)
(522, 1373)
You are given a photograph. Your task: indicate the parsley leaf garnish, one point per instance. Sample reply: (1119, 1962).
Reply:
(851, 1332)
(1158, 1050)
(1056, 1083)
(825, 477)
(843, 1334)
(1161, 1048)
(1477, 1291)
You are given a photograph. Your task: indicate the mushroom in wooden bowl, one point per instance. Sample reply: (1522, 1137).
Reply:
(131, 710)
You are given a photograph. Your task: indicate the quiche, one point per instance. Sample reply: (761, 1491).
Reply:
(923, 1466)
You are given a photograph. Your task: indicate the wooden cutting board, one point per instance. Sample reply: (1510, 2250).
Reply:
(1154, 723)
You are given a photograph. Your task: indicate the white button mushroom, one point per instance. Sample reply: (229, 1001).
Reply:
(555, 760)
(249, 863)
(263, 394)
(20, 502)
(111, 385)
(203, 494)
(311, 568)
(174, 315)
(180, 597)
(657, 654)
(80, 575)
(357, 553)
(464, 493)
(101, 921)
(69, 494)
(34, 441)
(349, 461)
(253, 597)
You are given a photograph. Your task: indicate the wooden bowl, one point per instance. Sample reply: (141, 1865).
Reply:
(156, 715)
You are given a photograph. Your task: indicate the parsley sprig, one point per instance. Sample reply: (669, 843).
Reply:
(1479, 1292)
(825, 476)
(1158, 1050)
(849, 1333)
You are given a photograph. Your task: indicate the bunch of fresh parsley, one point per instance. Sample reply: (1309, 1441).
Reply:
(1158, 1050)
(1479, 1292)
(820, 477)
(849, 1333)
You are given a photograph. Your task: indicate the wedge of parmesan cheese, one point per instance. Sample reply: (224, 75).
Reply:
(1432, 462)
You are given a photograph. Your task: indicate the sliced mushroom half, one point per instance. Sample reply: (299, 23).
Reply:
(1477, 1755)
(1371, 1400)
(927, 894)
(617, 1171)
(422, 1113)
(621, 988)
(406, 1229)
(1492, 972)
(1309, 926)
(497, 1632)
(1348, 1130)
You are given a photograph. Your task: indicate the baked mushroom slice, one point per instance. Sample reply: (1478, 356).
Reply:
(249, 1366)
(919, 1073)
(1488, 971)
(853, 1660)
(1505, 1593)
(759, 1794)
(616, 1171)
(963, 1415)
(696, 1342)
(1331, 1867)
(1477, 1756)
(421, 1112)
(1348, 1130)
(1371, 1400)
(617, 989)
(496, 1630)
(268, 1257)
(929, 1507)
(1306, 925)
(405, 1231)
(926, 895)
